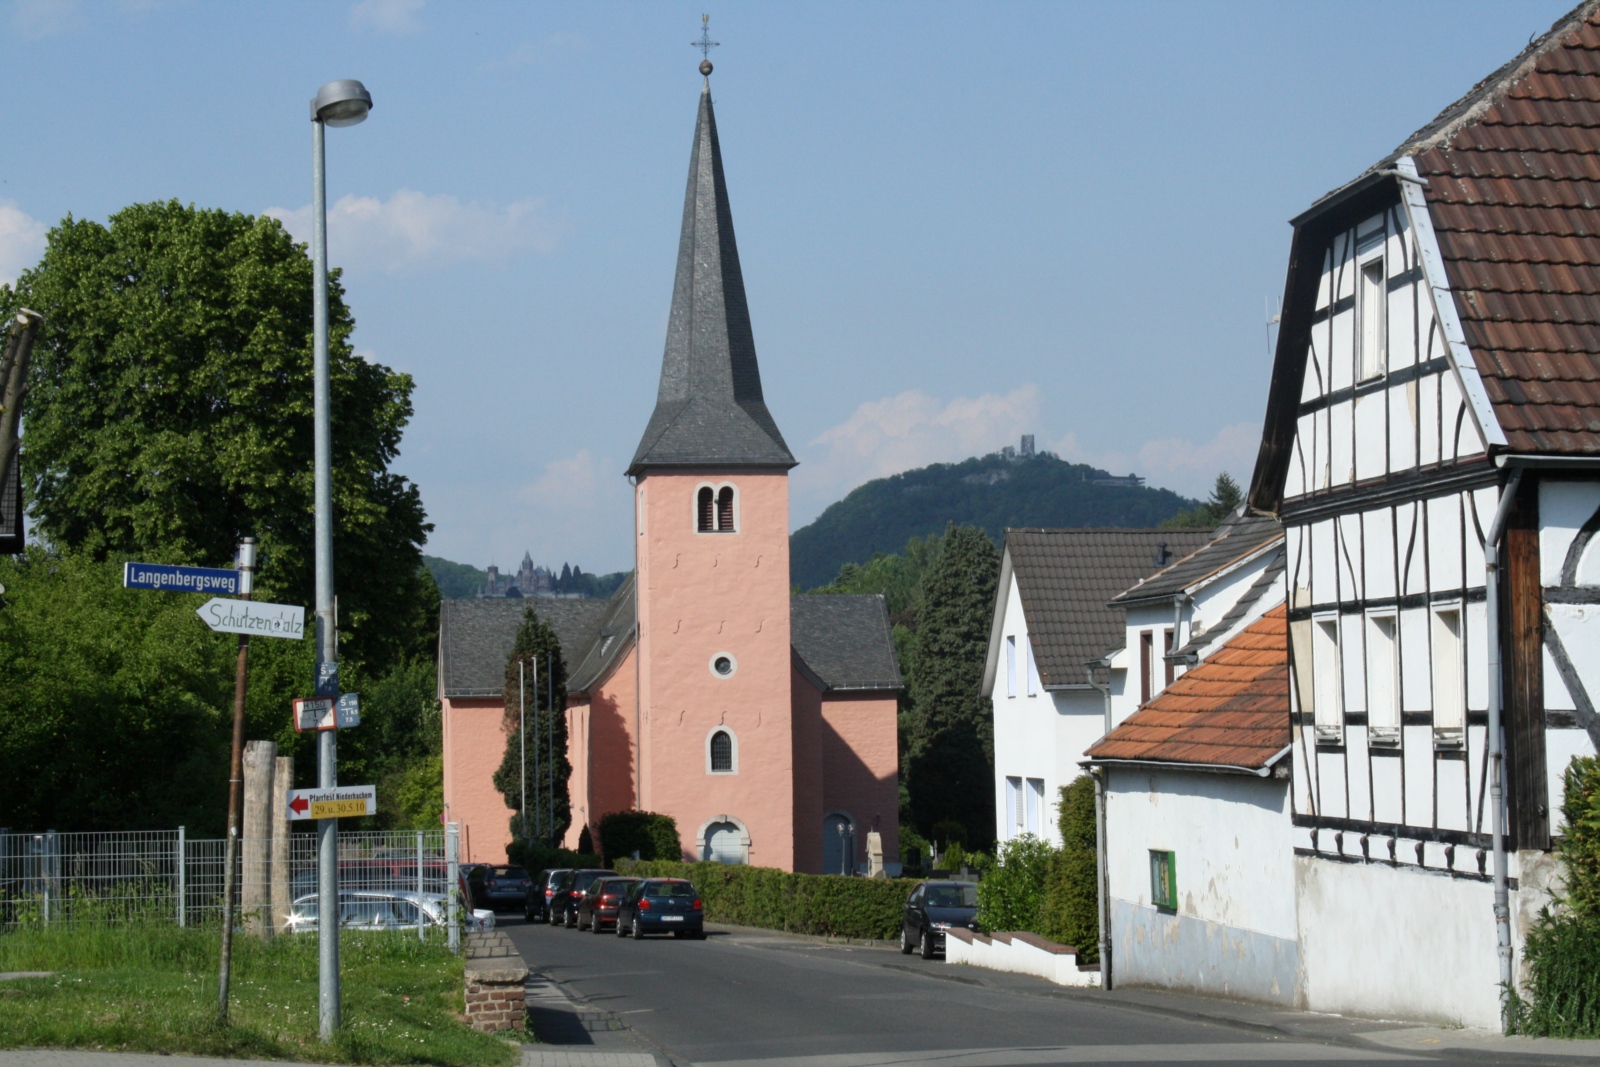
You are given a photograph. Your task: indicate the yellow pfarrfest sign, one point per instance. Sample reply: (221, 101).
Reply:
(338, 809)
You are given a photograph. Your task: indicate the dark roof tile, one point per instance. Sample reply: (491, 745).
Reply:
(475, 638)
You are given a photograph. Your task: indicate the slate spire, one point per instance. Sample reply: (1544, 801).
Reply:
(709, 408)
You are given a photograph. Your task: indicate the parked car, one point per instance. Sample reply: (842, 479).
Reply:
(497, 885)
(600, 901)
(537, 906)
(375, 910)
(662, 905)
(932, 909)
(573, 885)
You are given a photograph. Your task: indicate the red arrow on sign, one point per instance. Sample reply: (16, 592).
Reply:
(298, 805)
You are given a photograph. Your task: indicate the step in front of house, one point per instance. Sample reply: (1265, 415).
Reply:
(1020, 952)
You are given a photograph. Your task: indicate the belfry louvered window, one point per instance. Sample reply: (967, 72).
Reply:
(721, 753)
(704, 510)
(725, 509)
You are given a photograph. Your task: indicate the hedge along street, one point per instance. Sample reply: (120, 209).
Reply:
(250, 618)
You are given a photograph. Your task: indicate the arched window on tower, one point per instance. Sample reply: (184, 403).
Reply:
(725, 509)
(721, 753)
(704, 510)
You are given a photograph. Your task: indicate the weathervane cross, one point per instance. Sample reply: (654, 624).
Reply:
(705, 43)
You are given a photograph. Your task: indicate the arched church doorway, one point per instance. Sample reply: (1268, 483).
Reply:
(838, 844)
(724, 843)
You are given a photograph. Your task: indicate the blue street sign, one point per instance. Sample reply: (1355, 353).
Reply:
(170, 579)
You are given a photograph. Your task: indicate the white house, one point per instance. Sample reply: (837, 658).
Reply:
(1052, 620)
(1180, 614)
(1432, 450)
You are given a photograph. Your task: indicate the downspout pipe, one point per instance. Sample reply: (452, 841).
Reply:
(1497, 791)
(1102, 887)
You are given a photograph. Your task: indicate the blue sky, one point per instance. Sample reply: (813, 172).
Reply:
(958, 222)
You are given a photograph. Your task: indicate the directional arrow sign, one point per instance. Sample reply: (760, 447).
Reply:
(179, 579)
(253, 618)
(316, 713)
(340, 802)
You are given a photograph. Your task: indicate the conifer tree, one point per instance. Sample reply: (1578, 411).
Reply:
(949, 763)
(544, 671)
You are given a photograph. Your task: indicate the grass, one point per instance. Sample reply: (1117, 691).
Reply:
(151, 988)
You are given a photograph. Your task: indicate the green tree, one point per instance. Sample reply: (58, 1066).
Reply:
(949, 758)
(1070, 914)
(536, 645)
(170, 413)
(1225, 497)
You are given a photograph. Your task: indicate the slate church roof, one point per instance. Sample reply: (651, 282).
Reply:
(1067, 579)
(845, 641)
(475, 638)
(709, 408)
(1230, 712)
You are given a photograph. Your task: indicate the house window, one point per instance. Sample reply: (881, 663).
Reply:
(1014, 809)
(1011, 666)
(1146, 655)
(1449, 703)
(1370, 311)
(1383, 681)
(725, 509)
(1035, 800)
(721, 753)
(1163, 880)
(705, 510)
(1326, 697)
(1033, 668)
(1166, 650)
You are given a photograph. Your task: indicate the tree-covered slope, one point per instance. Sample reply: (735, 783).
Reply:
(993, 492)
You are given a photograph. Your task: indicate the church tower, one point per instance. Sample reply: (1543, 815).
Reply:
(711, 522)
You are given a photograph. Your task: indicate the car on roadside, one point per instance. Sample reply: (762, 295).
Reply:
(564, 905)
(660, 906)
(536, 907)
(598, 908)
(499, 886)
(372, 910)
(932, 909)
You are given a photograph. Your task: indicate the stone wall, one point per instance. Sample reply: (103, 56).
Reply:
(496, 983)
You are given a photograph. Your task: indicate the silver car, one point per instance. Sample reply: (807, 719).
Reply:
(374, 910)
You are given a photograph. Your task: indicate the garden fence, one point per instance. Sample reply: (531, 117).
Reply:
(385, 878)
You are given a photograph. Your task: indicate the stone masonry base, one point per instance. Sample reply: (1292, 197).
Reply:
(496, 983)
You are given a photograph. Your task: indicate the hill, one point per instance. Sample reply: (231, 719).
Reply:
(993, 492)
(455, 580)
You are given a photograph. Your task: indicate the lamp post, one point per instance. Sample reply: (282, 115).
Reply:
(338, 103)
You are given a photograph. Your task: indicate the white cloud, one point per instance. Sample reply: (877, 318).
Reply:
(387, 16)
(1175, 463)
(906, 431)
(21, 240)
(37, 19)
(413, 230)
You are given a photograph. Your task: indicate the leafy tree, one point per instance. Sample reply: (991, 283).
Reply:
(1012, 892)
(1070, 913)
(535, 644)
(651, 835)
(1225, 497)
(949, 760)
(171, 413)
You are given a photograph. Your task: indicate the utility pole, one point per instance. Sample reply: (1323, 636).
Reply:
(230, 859)
(14, 359)
(522, 738)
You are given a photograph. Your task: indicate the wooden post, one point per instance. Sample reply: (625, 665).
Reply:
(255, 890)
(282, 888)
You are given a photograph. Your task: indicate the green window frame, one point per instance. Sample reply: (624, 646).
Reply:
(1163, 879)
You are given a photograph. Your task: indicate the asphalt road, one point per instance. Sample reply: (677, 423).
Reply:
(743, 999)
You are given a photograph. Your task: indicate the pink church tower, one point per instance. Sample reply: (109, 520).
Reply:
(718, 736)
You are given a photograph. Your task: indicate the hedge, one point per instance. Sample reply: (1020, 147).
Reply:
(651, 836)
(826, 904)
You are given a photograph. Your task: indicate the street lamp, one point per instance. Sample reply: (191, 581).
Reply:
(338, 103)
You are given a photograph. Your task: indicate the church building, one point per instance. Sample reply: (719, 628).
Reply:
(763, 722)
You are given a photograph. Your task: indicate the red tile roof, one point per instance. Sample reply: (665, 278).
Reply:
(1513, 190)
(1230, 711)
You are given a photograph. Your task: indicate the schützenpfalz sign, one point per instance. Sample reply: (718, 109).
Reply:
(172, 579)
(253, 618)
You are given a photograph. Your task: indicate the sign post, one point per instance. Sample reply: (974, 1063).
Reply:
(243, 583)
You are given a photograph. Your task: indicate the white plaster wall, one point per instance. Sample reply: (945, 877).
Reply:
(1231, 837)
(1396, 943)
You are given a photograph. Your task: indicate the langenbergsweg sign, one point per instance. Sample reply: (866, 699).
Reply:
(253, 618)
(172, 579)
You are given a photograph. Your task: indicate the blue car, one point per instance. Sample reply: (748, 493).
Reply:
(660, 906)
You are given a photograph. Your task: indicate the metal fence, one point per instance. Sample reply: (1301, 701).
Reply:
(394, 878)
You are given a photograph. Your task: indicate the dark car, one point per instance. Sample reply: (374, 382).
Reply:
(660, 905)
(497, 885)
(564, 904)
(537, 906)
(598, 908)
(933, 908)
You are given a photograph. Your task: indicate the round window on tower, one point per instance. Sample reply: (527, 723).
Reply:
(723, 665)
